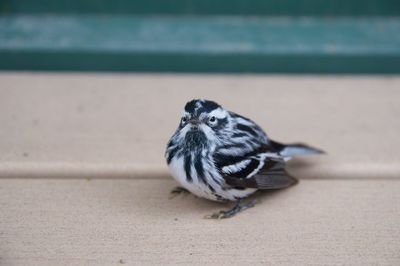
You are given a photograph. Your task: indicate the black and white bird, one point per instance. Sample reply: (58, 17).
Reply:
(222, 156)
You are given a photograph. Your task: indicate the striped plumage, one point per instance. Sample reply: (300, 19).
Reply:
(223, 156)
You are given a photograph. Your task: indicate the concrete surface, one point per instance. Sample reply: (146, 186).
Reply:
(100, 222)
(83, 179)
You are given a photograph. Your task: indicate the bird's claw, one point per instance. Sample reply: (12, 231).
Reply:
(178, 191)
(232, 212)
(218, 215)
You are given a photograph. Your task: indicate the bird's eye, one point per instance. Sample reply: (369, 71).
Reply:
(212, 120)
(184, 119)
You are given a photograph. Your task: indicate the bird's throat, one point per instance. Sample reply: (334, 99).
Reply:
(195, 140)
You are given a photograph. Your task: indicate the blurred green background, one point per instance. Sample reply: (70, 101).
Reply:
(255, 36)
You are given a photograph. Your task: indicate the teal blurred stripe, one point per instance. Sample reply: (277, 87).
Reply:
(207, 7)
(200, 44)
(206, 35)
(198, 63)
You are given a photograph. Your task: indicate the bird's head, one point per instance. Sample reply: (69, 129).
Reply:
(203, 122)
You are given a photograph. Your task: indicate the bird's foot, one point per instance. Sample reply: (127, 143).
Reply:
(232, 212)
(178, 191)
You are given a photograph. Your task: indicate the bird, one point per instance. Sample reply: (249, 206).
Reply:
(222, 156)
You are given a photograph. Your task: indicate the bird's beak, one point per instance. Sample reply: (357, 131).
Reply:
(194, 122)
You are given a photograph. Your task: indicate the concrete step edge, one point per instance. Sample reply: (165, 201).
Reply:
(301, 168)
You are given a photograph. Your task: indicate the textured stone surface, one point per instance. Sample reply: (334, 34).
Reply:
(100, 222)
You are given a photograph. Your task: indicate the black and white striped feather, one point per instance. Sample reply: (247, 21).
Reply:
(220, 155)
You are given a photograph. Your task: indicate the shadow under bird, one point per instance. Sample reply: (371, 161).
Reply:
(222, 156)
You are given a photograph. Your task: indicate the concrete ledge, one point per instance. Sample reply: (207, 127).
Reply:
(301, 168)
(92, 125)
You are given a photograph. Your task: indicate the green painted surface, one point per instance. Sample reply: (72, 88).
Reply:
(200, 44)
(210, 7)
(191, 63)
(201, 34)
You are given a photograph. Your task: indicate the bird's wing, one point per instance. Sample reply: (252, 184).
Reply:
(262, 168)
(272, 175)
(249, 160)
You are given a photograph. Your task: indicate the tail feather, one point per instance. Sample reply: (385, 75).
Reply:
(293, 149)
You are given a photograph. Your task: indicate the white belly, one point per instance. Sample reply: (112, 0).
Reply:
(197, 187)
